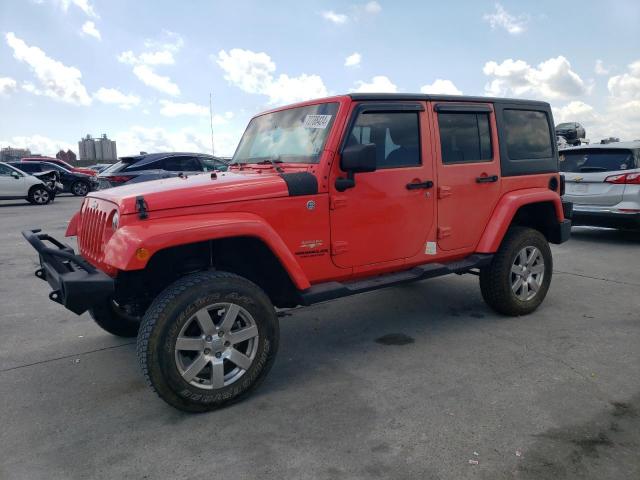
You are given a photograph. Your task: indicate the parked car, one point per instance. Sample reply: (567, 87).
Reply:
(572, 132)
(61, 163)
(15, 185)
(603, 182)
(153, 166)
(323, 199)
(77, 183)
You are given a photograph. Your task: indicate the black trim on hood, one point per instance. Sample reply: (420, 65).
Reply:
(300, 183)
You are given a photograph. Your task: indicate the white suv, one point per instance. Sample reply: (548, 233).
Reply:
(15, 184)
(603, 182)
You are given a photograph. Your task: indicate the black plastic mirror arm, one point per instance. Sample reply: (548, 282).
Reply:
(343, 184)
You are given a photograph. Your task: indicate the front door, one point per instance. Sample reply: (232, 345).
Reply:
(10, 186)
(468, 172)
(387, 214)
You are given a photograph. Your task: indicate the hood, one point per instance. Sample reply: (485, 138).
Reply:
(195, 190)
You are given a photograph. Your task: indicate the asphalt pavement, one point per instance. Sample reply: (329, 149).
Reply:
(421, 381)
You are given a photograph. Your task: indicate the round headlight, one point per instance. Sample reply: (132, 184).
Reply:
(115, 221)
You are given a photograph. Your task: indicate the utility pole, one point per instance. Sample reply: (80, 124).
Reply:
(213, 152)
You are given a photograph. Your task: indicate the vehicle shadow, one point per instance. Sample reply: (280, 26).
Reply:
(607, 235)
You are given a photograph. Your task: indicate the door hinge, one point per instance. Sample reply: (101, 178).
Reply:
(444, 192)
(336, 202)
(339, 247)
(444, 232)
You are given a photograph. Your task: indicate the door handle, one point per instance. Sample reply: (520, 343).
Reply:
(487, 179)
(417, 185)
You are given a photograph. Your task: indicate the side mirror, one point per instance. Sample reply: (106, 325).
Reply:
(360, 158)
(15, 175)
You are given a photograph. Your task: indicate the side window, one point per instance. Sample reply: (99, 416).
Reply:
(4, 170)
(134, 167)
(465, 137)
(182, 164)
(30, 167)
(528, 134)
(395, 134)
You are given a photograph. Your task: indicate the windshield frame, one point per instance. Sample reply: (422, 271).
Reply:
(291, 158)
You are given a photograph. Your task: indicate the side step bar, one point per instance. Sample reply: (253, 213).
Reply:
(331, 290)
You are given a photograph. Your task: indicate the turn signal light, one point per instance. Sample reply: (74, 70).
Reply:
(142, 253)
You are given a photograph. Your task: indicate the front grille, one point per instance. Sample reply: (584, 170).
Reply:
(93, 222)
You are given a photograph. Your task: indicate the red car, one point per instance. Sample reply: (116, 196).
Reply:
(61, 163)
(323, 199)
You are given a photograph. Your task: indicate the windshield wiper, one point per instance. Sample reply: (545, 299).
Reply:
(271, 161)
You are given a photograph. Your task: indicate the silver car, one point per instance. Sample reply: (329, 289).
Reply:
(603, 182)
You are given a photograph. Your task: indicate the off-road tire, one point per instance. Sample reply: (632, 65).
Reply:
(77, 190)
(495, 279)
(173, 308)
(109, 319)
(37, 193)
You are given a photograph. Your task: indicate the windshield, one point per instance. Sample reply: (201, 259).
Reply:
(296, 135)
(54, 166)
(566, 125)
(113, 168)
(596, 160)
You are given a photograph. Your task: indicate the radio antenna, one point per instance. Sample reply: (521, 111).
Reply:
(213, 152)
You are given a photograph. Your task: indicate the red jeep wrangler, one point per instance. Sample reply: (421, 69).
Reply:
(323, 199)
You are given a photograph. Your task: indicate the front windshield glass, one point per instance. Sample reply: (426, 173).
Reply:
(565, 125)
(296, 135)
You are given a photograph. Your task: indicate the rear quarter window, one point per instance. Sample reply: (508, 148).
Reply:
(527, 134)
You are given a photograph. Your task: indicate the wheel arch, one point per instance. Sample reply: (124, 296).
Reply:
(537, 208)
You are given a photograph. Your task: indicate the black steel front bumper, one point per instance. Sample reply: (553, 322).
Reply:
(76, 284)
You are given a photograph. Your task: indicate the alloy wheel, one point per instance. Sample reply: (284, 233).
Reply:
(527, 273)
(216, 346)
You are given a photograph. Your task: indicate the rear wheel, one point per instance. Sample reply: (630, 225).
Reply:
(39, 195)
(111, 319)
(207, 340)
(80, 188)
(518, 278)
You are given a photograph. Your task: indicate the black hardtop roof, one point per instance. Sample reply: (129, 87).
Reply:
(442, 98)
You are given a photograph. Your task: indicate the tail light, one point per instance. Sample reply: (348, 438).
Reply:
(119, 178)
(624, 179)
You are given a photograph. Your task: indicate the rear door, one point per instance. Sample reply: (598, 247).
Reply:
(586, 170)
(468, 165)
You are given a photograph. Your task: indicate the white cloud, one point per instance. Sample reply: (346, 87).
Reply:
(83, 5)
(445, 87)
(503, 19)
(89, 28)
(138, 138)
(551, 79)
(378, 84)
(373, 7)
(600, 69)
(161, 83)
(7, 84)
(254, 72)
(353, 60)
(337, 18)
(38, 144)
(161, 52)
(116, 97)
(57, 80)
(627, 85)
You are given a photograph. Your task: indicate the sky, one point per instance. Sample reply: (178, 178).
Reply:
(142, 71)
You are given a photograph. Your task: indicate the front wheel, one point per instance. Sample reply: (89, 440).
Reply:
(39, 195)
(518, 278)
(207, 340)
(80, 188)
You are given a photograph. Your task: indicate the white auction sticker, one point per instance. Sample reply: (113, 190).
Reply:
(316, 121)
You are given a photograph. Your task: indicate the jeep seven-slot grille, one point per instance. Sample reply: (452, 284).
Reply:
(91, 232)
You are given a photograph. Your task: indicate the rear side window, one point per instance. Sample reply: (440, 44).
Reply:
(4, 170)
(527, 134)
(465, 137)
(396, 136)
(182, 164)
(596, 160)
